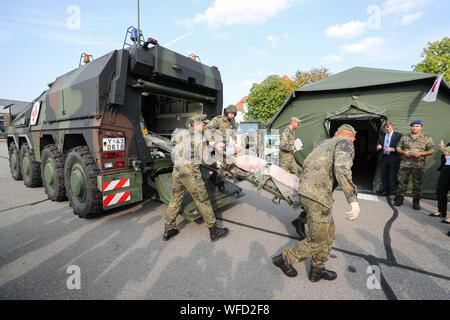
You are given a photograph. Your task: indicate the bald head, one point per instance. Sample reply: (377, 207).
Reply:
(347, 134)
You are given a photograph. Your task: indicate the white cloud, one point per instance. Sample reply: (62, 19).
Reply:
(332, 58)
(229, 12)
(410, 18)
(273, 40)
(347, 30)
(365, 45)
(395, 6)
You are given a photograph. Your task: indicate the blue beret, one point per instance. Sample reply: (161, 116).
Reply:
(416, 122)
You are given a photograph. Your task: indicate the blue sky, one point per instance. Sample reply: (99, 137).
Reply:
(247, 39)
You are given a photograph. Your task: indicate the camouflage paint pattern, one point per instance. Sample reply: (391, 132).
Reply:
(287, 148)
(186, 175)
(327, 166)
(99, 100)
(411, 166)
(413, 144)
(319, 241)
(223, 127)
(417, 175)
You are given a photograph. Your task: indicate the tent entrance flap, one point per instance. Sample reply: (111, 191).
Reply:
(365, 161)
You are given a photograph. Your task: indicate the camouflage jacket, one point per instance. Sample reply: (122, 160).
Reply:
(287, 142)
(420, 143)
(190, 147)
(222, 124)
(330, 162)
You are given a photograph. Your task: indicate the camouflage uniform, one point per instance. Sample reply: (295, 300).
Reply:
(412, 166)
(287, 148)
(326, 166)
(188, 177)
(221, 124)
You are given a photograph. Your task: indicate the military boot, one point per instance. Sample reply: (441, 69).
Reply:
(399, 201)
(216, 233)
(284, 266)
(416, 203)
(300, 228)
(315, 274)
(169, 234)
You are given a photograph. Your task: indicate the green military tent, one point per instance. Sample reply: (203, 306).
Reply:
(366, 98)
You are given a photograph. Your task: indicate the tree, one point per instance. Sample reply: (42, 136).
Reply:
(303, 78)
(266, 98)
(436, 58)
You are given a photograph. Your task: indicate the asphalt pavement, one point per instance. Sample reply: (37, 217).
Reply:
(121, 255)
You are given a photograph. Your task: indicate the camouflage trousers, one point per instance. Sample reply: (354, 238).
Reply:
(287, 162)
(317, 244)
(417, 174)
(189, 177)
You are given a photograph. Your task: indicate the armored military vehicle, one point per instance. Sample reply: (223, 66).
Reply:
(97, 135)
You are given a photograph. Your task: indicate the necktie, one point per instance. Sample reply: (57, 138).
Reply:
(387, 142)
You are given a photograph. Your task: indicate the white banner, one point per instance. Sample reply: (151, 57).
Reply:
(432, 94)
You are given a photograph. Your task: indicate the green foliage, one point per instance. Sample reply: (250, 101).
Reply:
(266, 98)
(436, 58)
(304, 78)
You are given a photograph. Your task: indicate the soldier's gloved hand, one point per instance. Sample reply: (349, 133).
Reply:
(353, 214)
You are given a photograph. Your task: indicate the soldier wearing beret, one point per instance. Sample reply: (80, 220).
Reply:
(414, 148)
(327, 166)
(186, 175)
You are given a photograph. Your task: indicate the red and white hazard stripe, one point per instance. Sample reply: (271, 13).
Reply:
(116, 184)
(116, 198)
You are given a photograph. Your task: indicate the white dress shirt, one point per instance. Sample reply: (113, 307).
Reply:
(387, 141)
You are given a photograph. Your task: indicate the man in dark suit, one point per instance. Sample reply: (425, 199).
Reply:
(388, 156)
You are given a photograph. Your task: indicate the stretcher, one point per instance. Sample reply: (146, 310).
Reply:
(260, 173)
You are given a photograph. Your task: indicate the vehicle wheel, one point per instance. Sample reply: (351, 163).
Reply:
(14, 162)
(80, 176)
(31, 171)
(52, 173)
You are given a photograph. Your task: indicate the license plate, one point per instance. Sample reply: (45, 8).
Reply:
(113, 144)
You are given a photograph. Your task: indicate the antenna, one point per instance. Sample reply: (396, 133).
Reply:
(139, 19)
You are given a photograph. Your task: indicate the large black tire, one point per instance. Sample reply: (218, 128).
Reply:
(14, 162)
(80, 175)
(52, 173)
(30, 169)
